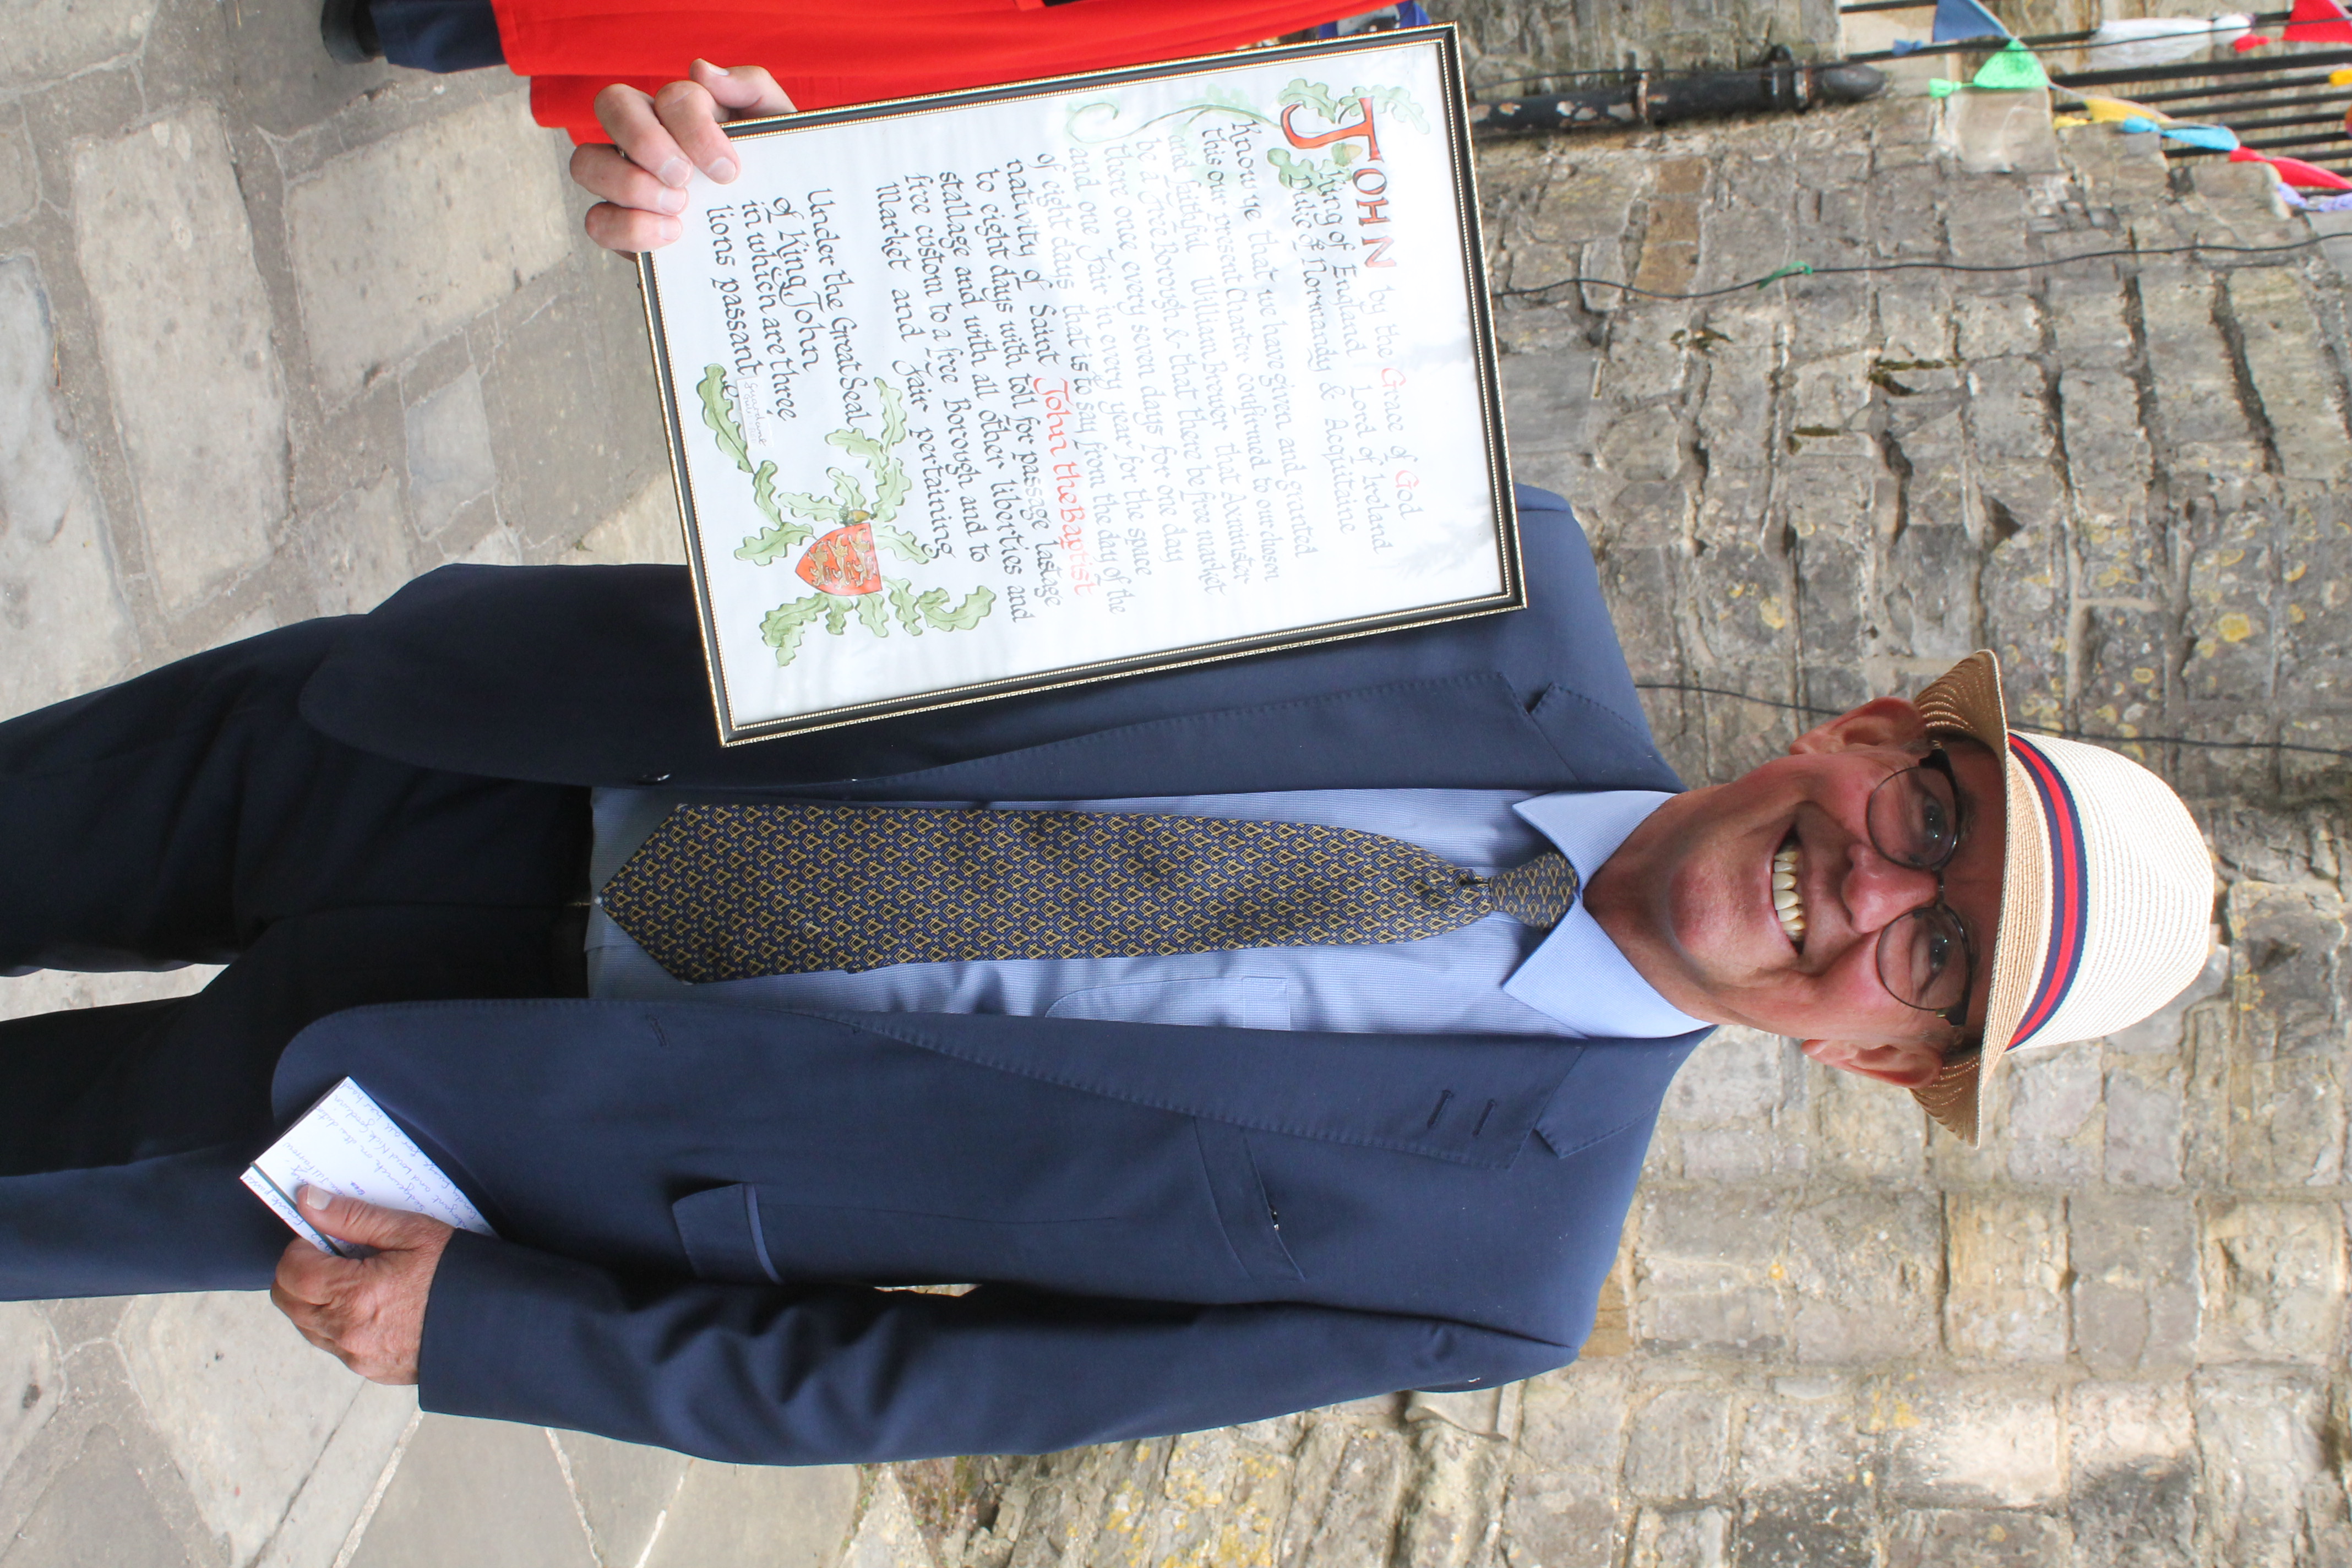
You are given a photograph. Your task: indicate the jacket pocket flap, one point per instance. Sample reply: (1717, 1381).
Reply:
(719, 1229)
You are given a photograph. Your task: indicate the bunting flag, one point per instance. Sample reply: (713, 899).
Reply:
(2014, 70)
(2295, 171)
(2115, 111)
(2316, 21)
(2212, 138)
(1957, 19)
(2252, 41)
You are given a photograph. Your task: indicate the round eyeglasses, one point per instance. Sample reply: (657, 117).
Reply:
(1924, 959)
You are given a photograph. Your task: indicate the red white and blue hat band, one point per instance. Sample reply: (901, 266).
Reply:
(2070, 898)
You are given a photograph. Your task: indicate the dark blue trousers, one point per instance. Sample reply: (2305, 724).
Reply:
(190, 815)
(439, 35)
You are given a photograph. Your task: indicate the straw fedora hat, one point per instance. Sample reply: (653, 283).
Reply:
(2106, 893)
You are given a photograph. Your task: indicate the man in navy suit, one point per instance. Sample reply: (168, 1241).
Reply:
(1191, 1188)
(383, 823)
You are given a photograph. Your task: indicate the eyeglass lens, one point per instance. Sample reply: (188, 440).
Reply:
(1914, 820)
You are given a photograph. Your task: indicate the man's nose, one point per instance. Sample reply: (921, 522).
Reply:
(1879, 891)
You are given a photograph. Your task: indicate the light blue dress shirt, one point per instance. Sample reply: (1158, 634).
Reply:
(1493, 976)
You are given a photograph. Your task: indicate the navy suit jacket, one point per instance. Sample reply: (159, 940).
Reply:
(1172, 1227)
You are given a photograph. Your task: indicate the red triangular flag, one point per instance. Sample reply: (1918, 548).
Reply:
(2252, 41)
(2295, 171)
(2318, 22)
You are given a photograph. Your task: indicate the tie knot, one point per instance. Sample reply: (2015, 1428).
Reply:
(1539, 893)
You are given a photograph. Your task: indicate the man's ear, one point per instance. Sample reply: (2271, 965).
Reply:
(1905, 1066)
(1881, 722)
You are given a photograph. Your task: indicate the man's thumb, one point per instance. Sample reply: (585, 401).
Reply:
(355, 1219)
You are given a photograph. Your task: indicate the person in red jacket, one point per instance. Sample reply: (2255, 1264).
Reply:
(823, 56)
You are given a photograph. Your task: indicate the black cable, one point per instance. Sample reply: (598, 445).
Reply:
(1812, 712)
(1807, 269)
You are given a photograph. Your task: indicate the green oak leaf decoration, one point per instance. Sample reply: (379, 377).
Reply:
(843, 563)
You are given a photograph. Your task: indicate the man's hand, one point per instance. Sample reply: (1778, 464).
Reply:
(658, 143)
(369, 1312)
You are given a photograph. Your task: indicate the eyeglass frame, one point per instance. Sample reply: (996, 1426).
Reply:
(1936, 759)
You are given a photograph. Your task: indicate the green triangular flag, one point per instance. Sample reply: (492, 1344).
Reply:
(2014, 68)
(1938, 87)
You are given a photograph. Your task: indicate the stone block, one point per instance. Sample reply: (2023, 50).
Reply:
(2135, 1282)
(1679, 1446)
(485, 1489)
(20, 174)
(449, 460)
(625, 1492)
(184, 327)
(2273, 1278)
(2004, 1297)
(388, 247)
(1358, 1516)
(2010, 410)
(1863, 1269)
(357, 550)
(2108, 460)
(1696, 1538)
(97, 1510)
(2287, 942)
(31, 1381)
(1828, 402)
(550, 374)
(2295, 378)
(887, 1537)
(1711, 1268)
(1445, 1512)
(2134, 1493)
(1736, 412)
(2263, 1440)
(2144, 1123)
(1642, 443)
(2089, 329)
(1915, 324)
(2193, 373)
(1802, 1482)
(1976, 1538)
(243, 1403)
(1549, 403)
(1221, 1496)
(1976, 1443)
(1863, 1132)
(365, 1448)
(51, 39)
(63, 627)
(1996, 327)
(2021, 591)
(1563, 1507)
(2051, 1114)
(1737, 1075)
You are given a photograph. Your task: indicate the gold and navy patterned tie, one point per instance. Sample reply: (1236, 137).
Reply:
(729, 891)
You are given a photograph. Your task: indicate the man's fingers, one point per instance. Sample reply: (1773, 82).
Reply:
(626, 231)
(628, 118)
(690, 114)
(604, 171)
(748, 91)
(386, 1230)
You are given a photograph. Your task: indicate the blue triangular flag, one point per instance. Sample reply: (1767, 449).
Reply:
(1957, 19)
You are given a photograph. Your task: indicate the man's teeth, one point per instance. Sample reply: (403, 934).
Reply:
(1786, 903)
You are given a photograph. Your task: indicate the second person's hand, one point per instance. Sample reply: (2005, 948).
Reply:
(659, 142)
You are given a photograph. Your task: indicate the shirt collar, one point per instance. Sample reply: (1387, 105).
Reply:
(1576, 976)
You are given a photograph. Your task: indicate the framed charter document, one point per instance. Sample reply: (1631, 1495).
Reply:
(1007, 389)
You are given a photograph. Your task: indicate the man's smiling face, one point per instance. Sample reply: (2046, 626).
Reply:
(1689, 897)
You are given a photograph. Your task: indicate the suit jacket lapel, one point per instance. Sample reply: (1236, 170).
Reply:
(1464, 731)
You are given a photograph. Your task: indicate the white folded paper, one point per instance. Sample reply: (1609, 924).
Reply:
(345, 1145)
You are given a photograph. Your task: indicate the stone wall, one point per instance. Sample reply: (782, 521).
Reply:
(2116, 1334)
